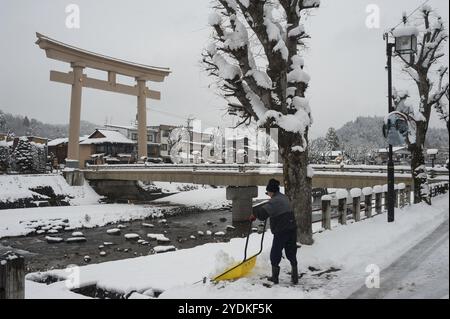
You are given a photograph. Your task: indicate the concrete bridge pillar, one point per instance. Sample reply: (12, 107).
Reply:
(74, 177)
(242, 198)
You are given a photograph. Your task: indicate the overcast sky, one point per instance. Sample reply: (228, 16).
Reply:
(346, 59)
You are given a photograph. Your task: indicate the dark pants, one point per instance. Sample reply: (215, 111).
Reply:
(288, 241)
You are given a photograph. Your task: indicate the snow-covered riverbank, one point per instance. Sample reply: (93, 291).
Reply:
(349, 249)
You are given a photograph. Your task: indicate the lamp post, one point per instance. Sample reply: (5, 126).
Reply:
(405, 43)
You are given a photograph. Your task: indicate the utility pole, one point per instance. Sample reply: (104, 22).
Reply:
(391, 172)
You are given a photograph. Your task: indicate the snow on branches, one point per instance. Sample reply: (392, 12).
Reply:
(432, 36)
(256, 60)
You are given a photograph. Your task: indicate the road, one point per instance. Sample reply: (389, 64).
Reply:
(421, 273)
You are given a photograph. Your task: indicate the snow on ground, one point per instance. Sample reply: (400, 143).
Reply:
(170, 188)
(421, 273)
(206, 199)
(200, 198)
(19, 222)
(350, 248)
(59, 290)
(15, 187)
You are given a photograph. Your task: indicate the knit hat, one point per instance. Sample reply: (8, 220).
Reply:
(273, 186)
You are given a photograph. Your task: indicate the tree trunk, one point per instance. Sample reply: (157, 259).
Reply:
(298, 184)
(448, 129)
(419, 174)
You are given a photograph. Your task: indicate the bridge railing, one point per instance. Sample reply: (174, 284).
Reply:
(262, 167)
(372, 201)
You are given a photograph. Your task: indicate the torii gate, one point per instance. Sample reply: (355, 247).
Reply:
(79, 60)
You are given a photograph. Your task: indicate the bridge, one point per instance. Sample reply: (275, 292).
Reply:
(242, 180)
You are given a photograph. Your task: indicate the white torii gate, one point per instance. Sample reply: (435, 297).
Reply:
(80, 59)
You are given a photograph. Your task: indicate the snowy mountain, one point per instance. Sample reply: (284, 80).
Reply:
(21, 126)
(368, 131)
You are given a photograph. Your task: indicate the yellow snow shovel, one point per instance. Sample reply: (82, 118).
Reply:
(246, 266)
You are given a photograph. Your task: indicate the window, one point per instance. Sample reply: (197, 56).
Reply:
(134, 136)
(150, 138)
(163, 147)
(165, 133)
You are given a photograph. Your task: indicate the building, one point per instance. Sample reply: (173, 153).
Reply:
(401, 156)
(153, 138)
(335, 157)
(107, 147)
(163, 139)
(58, 149)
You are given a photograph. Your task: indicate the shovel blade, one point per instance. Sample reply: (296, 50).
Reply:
(238, 271)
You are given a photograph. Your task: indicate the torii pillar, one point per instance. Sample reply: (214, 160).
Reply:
(73, 153)
(142, 119)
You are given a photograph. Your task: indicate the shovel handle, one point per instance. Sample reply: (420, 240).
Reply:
(248, 238)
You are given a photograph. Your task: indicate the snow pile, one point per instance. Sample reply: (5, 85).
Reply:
(378, 189)
(20, 222)
(355, 192)
(341, 194)
(201, 199)
(374, 242)
(223, 262)
(406, 31)
(15, 187)
(170, 188)
(367, 191)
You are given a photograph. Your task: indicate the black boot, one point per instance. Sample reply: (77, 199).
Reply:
(294, 275)
(275, 275)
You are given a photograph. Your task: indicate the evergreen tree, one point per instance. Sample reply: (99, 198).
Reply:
(4, 156)
(23, 156)
(26, 122)
(332, 140)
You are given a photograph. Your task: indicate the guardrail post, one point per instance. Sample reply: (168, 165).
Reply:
(342, 206)
(401, 188)
(396, 192)
(408, 195)
(378, 190)
(12, 276)
(368, 195)
(326, 212)
(385, 195)
(356, 204)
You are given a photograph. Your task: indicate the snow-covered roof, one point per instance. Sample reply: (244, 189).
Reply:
(332, 153)
(432, 151)
(405, 31)
(129, 127)
(395, 149)
(112, 137)
(59, 141)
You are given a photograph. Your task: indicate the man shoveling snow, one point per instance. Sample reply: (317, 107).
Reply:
(284, 228)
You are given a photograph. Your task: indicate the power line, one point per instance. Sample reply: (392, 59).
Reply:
(178, 116)
(415, 10)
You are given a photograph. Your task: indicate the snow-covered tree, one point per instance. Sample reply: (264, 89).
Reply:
(431, 41)
(2, 122)
(256, 58)
(316, 151)
(332, 140)
(4, 156)
(39, 158)
(359, 154)
(22, 156)
(442, 105)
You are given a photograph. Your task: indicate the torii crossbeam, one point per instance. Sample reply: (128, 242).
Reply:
(80, 59)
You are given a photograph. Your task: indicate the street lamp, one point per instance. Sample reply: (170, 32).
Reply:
(405, 43)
